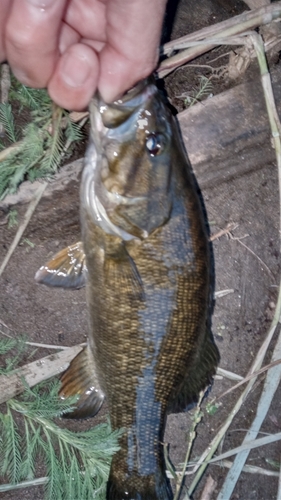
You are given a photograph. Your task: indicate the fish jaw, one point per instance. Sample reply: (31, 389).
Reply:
(126, 178)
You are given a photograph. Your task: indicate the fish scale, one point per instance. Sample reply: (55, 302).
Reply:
(147, 268)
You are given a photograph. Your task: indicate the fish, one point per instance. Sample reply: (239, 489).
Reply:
(146, 261)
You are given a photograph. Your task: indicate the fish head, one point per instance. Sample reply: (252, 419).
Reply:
(127, 175)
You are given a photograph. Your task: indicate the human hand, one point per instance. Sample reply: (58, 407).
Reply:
(73, 47)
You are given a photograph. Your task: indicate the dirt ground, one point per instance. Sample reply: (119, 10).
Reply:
(241, 319)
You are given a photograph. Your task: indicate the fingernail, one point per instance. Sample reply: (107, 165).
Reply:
(75, 69)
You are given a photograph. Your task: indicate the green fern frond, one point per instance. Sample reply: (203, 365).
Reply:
(71, 458)
(33, 147)
(52, 156)
(11, 459)
(27, 97)
(13, 361)
(73, 130)
(11, 175)
(54, 146)
(54, 472)
(43, 402)
(30, 450)
(40, 152)
(34, 99)
(77, 463)
(7, 344)
(7, 119)
(205, 88)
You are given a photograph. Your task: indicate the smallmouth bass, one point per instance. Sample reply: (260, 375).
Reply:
(145, 258)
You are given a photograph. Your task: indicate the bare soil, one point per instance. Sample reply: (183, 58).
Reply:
(241, 319)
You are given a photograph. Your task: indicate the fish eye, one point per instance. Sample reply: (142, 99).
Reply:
(153, 144)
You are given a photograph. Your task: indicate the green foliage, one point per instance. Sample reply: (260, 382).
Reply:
(212, 408)
(73, 130)
(76, 464)
(28, 243)
(7, 119)
(7, 344)
(11, 361)
(274, 463)
(12, 218)
(33, 99)
(204, 89)
(37, 149)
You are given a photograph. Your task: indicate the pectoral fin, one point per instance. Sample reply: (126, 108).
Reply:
(67, 269)
(80, 380)
(121, 268)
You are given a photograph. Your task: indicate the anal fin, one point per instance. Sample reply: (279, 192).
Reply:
(80, 380)
(67, 269)
(120, 267)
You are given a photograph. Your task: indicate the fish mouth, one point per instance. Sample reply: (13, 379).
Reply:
(107, 118)
(113, 122)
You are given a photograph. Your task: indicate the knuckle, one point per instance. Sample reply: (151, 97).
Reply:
(19, 40)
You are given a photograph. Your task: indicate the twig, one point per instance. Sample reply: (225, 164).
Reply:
(51, 346)
(209, 488)
(253, 4)
(255, 255)
(252, 20)
(24, 484)
(33, 373)
(249, 445)
(230, 375)
(251, 469)
(231, 226)
(192, 434)
(15, 148)
(208, 453)
(227, 230)
(222, 293)
(233, 26)
(279, 485)
(274, 374)
(36, 344)
(33, 204)
(249, 377)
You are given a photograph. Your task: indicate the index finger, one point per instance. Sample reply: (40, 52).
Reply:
(31, 37)
(132, 53)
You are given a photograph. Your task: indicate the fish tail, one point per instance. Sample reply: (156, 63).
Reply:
(140, 488)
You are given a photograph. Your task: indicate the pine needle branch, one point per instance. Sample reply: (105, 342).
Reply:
(43, 142)
(7, 120)
(76, 463)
